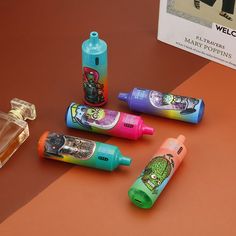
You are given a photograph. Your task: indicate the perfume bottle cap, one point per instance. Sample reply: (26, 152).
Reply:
(22, 109)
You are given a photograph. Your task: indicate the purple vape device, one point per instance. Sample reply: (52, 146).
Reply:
(164, 104)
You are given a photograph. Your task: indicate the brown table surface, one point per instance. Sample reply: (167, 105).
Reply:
(41, 62)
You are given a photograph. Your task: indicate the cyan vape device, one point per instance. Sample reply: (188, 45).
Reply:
(94, 66)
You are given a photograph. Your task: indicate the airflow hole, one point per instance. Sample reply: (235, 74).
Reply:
(94, 34)
(180, 150)
(138, 201)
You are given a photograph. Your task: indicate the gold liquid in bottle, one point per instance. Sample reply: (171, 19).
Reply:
(13, 128)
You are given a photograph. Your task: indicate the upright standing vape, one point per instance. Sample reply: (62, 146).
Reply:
(158, 172)
(94, 66)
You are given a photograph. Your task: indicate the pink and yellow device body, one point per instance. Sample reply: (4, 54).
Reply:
(106, 121)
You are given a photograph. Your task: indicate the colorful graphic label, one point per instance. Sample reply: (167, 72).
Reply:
(158, 169)
(166, 101)
(61, 145)
(89, 117)
(94, 91)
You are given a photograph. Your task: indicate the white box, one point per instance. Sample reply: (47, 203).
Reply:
(201, 31)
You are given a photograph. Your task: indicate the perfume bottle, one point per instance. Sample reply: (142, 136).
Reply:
(13, 128)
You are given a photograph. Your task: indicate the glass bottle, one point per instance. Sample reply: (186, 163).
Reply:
(14, 129)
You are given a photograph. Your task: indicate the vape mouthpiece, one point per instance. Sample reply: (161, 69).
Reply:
(123, 96)
(147, 130)
(125, 161)
(94, 37)
(181, 138)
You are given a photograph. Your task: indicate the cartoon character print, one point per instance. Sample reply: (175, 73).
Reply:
(92, 88)
(166, 101)
(157, 171)
(61, 145)
(78, 114)
(90, 117)
(53, 144)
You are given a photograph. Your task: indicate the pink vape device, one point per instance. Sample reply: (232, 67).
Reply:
(106, 121)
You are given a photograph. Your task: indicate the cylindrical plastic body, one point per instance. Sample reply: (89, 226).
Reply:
(164, 104)
(94, 66)
(149, 185)
(80, 151)
(106, 121)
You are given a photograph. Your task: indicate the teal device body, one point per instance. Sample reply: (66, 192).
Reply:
(80, 151)
(94, 66)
